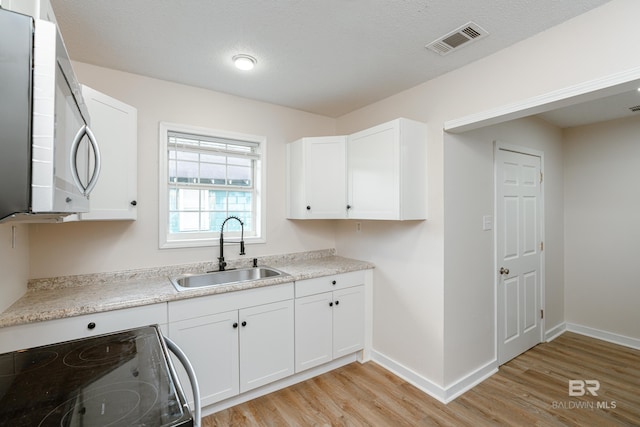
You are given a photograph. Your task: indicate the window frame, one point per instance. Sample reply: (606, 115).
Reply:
(169, 240)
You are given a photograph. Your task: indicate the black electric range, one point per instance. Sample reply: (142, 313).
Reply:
(119, 379)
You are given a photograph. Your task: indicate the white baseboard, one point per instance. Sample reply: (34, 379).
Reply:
(283, 383)
(471, 380)
(449, 393)
(555, 332)
(442, 394)
(604, 335)
(412, 377)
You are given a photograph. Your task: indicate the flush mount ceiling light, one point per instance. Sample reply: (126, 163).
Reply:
(244, 62)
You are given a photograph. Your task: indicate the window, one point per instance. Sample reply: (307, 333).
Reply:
(206, 176)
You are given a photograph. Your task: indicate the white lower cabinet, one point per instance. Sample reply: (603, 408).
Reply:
(348, 321)
(211, 344)
(314, 331)
(329, 324)
(35, 334)
(266, 344)
(236, 341)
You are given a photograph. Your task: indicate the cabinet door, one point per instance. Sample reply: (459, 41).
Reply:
(211, 344)
(115, 125)
(373, 174)
(314, 331)
(316, 178)
(266, 344)
(326, 177)
(348, 321)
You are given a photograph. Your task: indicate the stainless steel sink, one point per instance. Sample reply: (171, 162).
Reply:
(227, 277)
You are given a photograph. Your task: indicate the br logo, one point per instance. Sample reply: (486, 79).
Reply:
(582, 387)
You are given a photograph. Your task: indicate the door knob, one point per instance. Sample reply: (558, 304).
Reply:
(504, 270)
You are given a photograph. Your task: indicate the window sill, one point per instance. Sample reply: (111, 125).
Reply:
(197, 243)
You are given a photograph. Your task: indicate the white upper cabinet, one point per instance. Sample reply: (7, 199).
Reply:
(387, 171)
(316, 178)
(39, 9)
(115, 125)
(378, 173)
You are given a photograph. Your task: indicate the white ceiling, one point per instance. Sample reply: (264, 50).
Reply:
(323, 56)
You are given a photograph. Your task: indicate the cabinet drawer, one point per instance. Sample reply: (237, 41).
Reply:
(52, 331)
(329, 283)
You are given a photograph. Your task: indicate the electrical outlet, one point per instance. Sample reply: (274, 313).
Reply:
(487, 222)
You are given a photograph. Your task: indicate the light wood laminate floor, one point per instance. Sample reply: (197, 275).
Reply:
(530, 390)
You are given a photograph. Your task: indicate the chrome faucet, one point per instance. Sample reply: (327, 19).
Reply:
(221, 262)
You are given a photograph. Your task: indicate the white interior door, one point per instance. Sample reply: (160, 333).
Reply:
(518, 247)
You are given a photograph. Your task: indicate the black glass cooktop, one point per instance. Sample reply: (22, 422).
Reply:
(120, 379)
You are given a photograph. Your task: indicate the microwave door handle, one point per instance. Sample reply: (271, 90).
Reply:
(98, 161)
(73, 159)
(84, 130)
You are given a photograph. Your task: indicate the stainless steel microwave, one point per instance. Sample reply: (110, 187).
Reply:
(49, 158)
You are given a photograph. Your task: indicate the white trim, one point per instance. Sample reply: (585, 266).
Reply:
(470, 380)
(499, 145)
(599, 334)
(442, 394)
(572, 95)
(604, 335)
(260, 185)
(278, 385)
(412, 377)
(555, 332)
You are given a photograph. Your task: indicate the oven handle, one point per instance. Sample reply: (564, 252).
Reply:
(192, 378)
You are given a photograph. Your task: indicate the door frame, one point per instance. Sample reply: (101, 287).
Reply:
(500, 145)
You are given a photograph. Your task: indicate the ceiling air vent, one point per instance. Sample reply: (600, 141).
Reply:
(457, 38)
(635, 109)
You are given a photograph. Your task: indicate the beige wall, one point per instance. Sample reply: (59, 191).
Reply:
(429, 317)
(14, 262)
(408, 292)
(469, 250)
(447, 334)
(92, 247)
(602, 226)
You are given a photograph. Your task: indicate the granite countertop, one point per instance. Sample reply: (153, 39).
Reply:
(60, 297)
